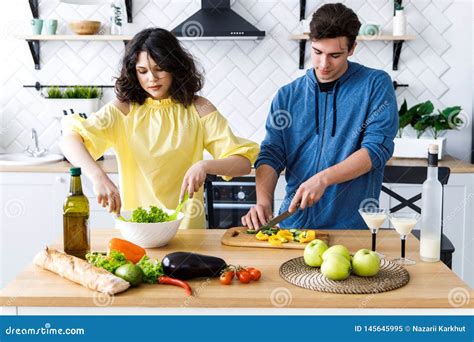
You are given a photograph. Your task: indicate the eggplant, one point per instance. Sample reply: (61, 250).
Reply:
(185, 265)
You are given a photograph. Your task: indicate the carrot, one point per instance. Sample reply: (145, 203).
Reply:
(131, 251)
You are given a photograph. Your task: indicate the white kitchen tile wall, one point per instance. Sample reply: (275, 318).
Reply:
(241, 76)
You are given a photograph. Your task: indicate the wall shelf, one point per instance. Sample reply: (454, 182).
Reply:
(34, 40)
(95, 37)
(305, 36)
(397, 45)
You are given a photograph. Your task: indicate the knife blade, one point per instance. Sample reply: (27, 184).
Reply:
(276, 220)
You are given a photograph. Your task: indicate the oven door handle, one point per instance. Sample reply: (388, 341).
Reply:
(230, 183)
(232, 206)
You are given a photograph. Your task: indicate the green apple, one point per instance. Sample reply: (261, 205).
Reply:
(313, 253)
(336, 267)
(338, 249)
(365, 263)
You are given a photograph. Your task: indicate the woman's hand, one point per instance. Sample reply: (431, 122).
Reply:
(308, 193)
(257, 216)
(107, 193)
(194, 179)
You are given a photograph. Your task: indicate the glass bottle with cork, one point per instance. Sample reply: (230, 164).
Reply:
(76, 235)
(432, 197)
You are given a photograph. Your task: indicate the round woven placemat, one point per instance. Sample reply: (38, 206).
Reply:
(390, 277)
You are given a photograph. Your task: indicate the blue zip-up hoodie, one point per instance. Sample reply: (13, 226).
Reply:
(308, 131)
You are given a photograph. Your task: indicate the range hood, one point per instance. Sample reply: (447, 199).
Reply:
(215, 20)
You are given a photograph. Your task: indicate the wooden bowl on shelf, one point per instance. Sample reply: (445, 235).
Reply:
(85, 26)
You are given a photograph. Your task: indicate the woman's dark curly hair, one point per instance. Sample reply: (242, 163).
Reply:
(335, 20)
(163, 47)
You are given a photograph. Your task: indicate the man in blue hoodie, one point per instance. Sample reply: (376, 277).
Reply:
(332, 131)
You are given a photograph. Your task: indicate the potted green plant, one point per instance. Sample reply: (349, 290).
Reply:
(429, 128)
(445, 120)
(72, 100)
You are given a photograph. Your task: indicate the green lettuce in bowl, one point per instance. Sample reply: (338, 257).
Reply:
(152, 215)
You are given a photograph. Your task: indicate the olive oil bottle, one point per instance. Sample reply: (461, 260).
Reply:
(76, 233)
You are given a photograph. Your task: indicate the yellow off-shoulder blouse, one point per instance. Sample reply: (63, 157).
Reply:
(155, 144)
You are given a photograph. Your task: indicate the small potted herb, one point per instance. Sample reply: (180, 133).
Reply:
(72, 100)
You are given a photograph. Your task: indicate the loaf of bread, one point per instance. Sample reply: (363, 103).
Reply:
(80, 271)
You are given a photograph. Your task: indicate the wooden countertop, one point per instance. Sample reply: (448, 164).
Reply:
(429, 287)
(456, 165)
(109, 165)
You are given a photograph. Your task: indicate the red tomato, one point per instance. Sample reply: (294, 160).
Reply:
(244, 276)
(226, 277)
(255, 274)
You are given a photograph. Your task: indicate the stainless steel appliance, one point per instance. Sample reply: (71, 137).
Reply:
(227, 201)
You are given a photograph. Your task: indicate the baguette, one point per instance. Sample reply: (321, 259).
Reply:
(80, 271)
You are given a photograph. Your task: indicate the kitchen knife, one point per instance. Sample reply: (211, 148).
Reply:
(273, 222)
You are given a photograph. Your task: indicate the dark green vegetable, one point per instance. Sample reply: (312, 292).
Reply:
(270, 231)
(252, 231)
(185, 265)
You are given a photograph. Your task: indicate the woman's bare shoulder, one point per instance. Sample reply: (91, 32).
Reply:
(203, 106)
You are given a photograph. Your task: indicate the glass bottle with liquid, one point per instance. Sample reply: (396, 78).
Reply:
(432, 193)
(76, 235)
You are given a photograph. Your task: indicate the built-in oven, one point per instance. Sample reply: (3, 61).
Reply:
(227, 201)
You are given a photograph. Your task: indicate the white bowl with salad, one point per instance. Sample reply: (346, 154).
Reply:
(149, 227)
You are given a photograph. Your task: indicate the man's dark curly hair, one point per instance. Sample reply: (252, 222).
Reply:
(334, 20)
(163, 47)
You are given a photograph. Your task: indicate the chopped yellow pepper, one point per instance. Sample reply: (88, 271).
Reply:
(307, 236)
(274, 240)
(285, 235)
(262, 237)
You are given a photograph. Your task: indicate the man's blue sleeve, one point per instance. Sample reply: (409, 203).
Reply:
(272, 149)
(381, 124)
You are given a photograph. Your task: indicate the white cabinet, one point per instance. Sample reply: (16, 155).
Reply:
(458, 217)
(31, 217)
(31, 205)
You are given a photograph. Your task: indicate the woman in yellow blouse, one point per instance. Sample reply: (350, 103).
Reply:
(159, 129)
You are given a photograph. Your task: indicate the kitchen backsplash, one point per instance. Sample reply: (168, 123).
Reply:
(241, 76)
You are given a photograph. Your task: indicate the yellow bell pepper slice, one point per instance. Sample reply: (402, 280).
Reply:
(285, 235)
(307, 236)
(262, 237)
(274, 240)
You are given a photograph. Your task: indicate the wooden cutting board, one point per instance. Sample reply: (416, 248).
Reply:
(238, 237)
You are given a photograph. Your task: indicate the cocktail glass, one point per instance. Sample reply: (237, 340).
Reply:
(374, 218)
(403, 224)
